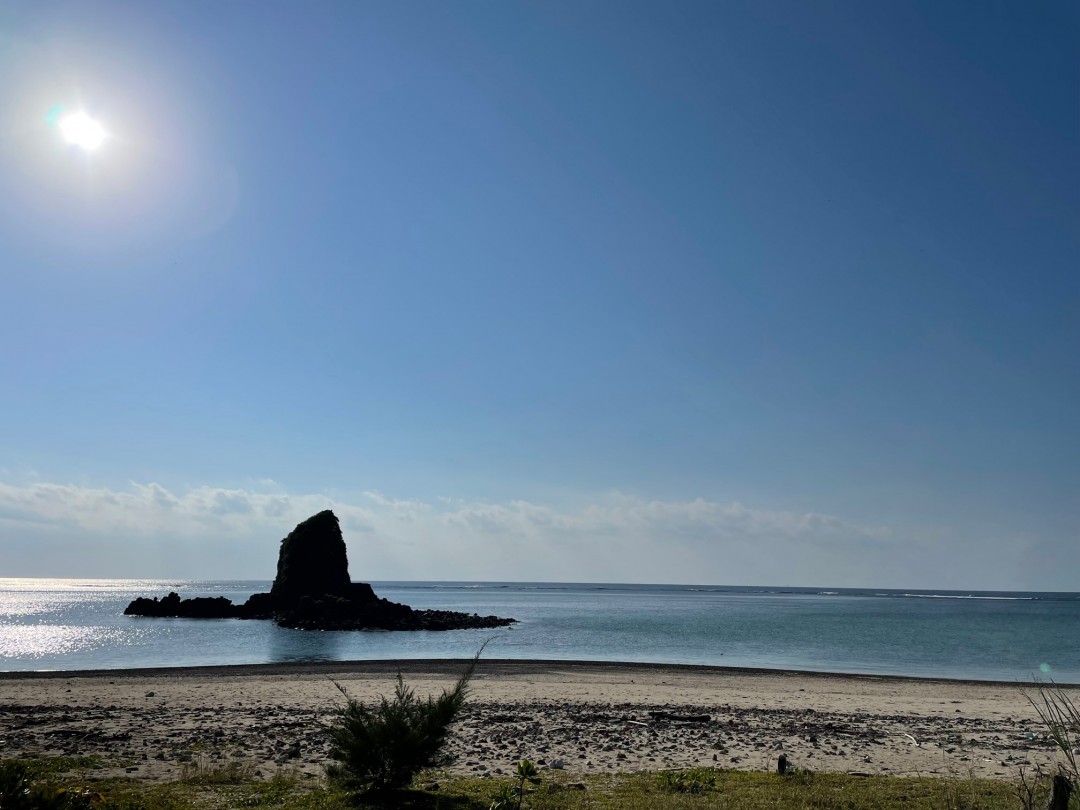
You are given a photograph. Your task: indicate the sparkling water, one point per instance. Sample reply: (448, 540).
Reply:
(66, 624)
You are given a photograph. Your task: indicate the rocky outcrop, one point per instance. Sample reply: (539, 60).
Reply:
(382, 614)
(201, 607)
(312, 591)
(312, 561)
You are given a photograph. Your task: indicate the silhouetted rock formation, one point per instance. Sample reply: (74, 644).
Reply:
(312, 591)
(201, 607)
(312, 560)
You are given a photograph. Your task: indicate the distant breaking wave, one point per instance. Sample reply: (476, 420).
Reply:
(728, 591)
(959, 596)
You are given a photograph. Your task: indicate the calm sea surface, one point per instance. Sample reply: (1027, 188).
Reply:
(67, 624)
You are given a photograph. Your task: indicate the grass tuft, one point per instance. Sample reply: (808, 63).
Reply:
(203, 771)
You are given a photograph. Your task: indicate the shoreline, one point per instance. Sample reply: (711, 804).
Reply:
(596, 717)
(503, 666)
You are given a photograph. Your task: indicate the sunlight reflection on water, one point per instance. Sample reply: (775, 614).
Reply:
(39, 640)
(37, 597)
(34, 602)
(45, 585)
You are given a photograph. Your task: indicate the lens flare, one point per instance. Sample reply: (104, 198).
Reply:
(82, 130)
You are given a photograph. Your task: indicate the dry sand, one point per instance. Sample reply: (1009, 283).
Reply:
(594, 717)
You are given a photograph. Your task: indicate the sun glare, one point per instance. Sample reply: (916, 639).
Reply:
(82, 130)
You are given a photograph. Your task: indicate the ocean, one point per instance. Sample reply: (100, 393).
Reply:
(77, 624)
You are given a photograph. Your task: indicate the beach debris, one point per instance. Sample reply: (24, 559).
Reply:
(557, 764)
(681, 718)
(781, 764)
(508, 718)
(913, 740)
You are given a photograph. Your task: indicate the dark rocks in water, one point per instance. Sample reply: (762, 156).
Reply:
(334, 613)
(201, 607)
(364, 611)
(261, 605)
(312, 591)
(312, 560)
(360, 592)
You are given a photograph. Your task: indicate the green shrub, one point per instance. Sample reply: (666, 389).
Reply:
(202, 771)
(1061, 718)
(511, 796)
(686, 781)
(384, 747)
(18, 792)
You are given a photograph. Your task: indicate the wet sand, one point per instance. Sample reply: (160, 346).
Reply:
(587, 717)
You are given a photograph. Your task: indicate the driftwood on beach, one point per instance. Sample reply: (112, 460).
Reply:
(312, 591)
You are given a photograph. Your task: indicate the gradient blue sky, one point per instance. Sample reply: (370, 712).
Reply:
(764, 292)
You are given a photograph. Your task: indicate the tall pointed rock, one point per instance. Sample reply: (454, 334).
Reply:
(312, 560)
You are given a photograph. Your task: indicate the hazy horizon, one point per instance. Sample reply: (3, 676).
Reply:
(759, 588)
(689, 293)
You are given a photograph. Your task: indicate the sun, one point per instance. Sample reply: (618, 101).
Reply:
(82, 131)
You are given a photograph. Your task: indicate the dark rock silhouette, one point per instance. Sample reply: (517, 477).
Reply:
(312, 560)
(202, 607)
(312, 591)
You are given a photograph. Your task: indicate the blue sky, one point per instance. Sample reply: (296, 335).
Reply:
(740, 293)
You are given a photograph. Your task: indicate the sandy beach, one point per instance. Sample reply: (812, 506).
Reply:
(584, 716)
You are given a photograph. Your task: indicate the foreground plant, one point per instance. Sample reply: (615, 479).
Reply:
(513, 795)
(695, 781)
(384, 747)
(19, 792)
(1061, 718)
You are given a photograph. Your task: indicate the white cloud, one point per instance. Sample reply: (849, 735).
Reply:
(208, 532)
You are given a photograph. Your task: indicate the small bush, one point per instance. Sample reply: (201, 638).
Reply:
(202, 771)
(384, 747)
(685, 781)
(1061, 718)
(18, 792)
(511, 796)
